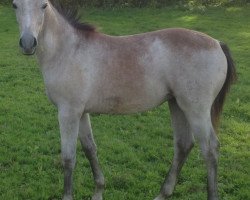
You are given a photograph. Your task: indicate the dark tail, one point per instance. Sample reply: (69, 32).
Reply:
(230, 79)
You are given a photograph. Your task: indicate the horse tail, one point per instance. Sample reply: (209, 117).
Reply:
(230, 79)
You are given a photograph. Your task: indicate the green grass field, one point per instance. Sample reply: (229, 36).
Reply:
(135, 151)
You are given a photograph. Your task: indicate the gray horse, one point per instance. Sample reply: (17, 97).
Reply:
(89, 72)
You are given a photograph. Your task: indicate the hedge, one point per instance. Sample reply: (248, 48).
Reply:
(147, 3)
(154, 3)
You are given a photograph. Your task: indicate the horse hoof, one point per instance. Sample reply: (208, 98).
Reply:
(67, 198)
(160, 197)
(97, 197)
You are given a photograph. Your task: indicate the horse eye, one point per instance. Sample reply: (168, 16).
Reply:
(14, 6)
(44, 6)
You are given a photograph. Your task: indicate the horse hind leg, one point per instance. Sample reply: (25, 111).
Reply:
(202, 128)
(209, 145)
(183, 143)
(89, 148)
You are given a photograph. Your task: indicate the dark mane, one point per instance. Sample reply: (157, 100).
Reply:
(71, 14)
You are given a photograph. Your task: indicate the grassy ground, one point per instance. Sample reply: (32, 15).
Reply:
(135, 151)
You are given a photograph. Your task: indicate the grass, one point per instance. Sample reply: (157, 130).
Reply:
(135, 151)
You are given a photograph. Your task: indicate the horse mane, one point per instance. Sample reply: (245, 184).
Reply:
(71, 14)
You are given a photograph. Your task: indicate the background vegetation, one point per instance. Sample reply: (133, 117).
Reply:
(135, 151)
(149, 3)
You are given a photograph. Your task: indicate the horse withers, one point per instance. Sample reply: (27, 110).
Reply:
(89, 72)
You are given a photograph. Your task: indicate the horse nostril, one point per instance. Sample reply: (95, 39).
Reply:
(28, 42)
(20, 43)
(35, 42)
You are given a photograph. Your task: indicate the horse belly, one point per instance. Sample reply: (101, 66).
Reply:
(129, 101)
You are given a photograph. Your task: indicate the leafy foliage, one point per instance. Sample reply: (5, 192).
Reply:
(148, 3)
(155, 3)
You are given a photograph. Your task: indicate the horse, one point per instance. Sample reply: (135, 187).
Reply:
(86, 72)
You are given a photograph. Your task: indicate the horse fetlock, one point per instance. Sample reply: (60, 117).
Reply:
(213, 197)
(168, 188)
(100, 182)
(212, 192)
(99, 189)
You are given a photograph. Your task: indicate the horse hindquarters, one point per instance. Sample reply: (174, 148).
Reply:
(195, 82)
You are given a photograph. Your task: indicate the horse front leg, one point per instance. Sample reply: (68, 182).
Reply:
(89, 148)
(69, 127)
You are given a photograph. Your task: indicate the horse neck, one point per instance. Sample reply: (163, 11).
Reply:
(54, 36)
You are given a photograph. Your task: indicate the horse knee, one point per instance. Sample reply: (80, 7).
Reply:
(185, 146)
(68, 162)
(89, 150)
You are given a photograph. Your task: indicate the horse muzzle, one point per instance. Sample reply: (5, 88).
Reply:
(28, 44)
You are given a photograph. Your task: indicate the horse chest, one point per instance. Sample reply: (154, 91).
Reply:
(64, 88)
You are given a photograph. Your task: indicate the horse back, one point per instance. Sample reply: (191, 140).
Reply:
(138, 72)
